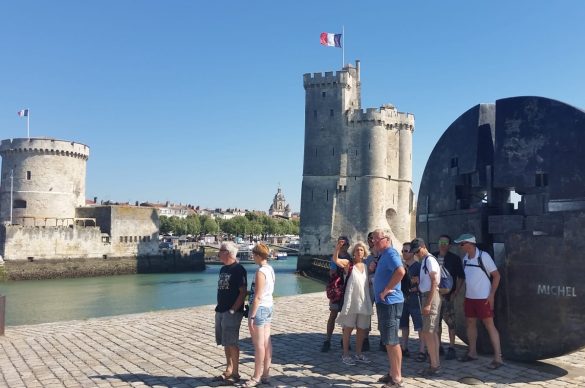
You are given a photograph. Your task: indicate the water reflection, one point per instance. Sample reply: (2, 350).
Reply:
(39, 301)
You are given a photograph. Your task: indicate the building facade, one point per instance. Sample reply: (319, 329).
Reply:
(357, 170)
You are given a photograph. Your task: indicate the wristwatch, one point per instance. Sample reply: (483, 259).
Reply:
(232, 311)
(252, 318)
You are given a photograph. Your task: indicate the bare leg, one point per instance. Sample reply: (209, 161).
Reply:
(452, 338)
(233, 356)
(346, 336)
(331, 323)
(259, 351)
(405, 334)
(395, 361)
(421, 342)
(471, 324)
(361, 334)
(229, 366)
(267, 351)
(494, 338)
(432, 342)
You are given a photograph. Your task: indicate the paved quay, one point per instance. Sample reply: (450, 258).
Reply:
(176, 348)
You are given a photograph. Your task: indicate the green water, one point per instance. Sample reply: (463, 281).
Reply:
(40, 301)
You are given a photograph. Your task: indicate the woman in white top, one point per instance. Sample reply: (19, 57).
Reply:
(260, 316)
(356, 311)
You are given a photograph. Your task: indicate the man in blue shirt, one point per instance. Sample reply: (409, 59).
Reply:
(389, 302)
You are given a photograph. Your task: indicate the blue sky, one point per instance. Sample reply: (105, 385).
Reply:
(203, 102)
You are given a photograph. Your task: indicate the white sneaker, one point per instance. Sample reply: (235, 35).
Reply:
(361, 358)
(347, 360)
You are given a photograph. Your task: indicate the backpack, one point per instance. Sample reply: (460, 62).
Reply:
(335, 289)
(479, 265)
(445, 280)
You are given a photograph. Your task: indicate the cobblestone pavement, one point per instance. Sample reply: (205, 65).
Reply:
(176, 348)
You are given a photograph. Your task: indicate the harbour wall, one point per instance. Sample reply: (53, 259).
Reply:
(314, 266)
(103, 266)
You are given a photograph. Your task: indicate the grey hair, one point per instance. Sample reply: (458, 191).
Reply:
(231, 248)
(383, 233)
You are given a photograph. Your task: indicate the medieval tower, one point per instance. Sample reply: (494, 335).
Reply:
(357, 172)
(42, 179)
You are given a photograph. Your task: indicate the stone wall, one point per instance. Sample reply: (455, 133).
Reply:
(85, 267)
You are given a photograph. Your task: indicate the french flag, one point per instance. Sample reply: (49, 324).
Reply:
(22, 113)
(332, 40)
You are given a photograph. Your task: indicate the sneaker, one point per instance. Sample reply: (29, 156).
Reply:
(394, 384)
(366, 345)
(347, 360)
(326, 346)
(451, 355)
(361, 358)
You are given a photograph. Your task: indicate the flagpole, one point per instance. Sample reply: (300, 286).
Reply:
(11, 192)
(27, 124)
(343, 47)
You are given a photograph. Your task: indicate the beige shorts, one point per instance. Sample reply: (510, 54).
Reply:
(432, 321)
(361, 321)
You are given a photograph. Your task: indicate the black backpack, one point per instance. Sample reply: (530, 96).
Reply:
(479, 265)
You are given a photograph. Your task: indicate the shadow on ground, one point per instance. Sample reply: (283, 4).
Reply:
(299, 354)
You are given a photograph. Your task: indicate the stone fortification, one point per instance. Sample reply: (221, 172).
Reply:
(48, 179)
(357, 172)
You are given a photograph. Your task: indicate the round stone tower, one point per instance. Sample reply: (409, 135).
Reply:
(44, 177)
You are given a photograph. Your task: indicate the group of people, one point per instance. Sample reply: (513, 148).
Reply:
(372, 275)
(232, 290)
(408, 287)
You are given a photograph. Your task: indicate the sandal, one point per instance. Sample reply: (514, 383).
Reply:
(387, 379)
(467, 358)
(221, 377)
(265, 380)
(421, 357)
(231, 380)
(495, 365)
(251, 383)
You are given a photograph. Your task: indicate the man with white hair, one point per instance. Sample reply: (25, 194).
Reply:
(231, 291)
(481, 282)
(389, 303)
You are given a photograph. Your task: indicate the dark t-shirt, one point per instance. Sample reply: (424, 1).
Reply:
(454, 265)
(412, 270)
(231, 278)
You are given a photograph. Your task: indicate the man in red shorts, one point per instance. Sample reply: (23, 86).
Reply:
(479, 297)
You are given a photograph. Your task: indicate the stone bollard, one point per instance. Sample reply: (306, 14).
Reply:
(2, 313)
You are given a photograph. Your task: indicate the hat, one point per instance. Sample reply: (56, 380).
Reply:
(465, 237)
(417, 244)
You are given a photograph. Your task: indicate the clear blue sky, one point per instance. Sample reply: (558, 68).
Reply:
(203, 102)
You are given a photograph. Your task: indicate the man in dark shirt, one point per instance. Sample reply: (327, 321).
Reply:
(453, 264)
(231, 291)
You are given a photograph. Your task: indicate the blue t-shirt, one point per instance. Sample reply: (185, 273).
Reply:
(388, 263)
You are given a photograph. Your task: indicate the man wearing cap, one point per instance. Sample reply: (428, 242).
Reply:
(479, 297)
(389, 301)
(430, 303)
(335, 307)
(453, 264)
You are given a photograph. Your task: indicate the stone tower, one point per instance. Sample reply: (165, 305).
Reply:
(357, 172)
(48, 180)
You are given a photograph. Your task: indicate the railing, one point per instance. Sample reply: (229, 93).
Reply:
(322, 263)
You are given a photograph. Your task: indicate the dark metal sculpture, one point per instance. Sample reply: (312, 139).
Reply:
(513, 174)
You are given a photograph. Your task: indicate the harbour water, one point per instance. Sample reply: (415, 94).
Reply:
(40, 301)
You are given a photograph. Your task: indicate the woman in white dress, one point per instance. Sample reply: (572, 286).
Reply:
(356, 311)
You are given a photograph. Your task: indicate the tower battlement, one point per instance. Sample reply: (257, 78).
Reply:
(312, 80)
(386, 115)
(44, 146)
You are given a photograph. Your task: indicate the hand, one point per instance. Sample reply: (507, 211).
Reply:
(490, 301)
(384, 293)
(426, 310)
(372, 266)
(339, 245)
(251, 326)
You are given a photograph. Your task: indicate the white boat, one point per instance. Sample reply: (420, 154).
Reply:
(281, 256)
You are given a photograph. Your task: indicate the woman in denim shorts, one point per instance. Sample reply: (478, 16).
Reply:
(260, 316)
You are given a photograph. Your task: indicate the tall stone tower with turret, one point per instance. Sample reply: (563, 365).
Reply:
(357, 172)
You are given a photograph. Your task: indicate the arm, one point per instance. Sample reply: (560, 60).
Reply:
(394, 280)
(495, 284)
(260, 284)
(426, 310)
(343, 263)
